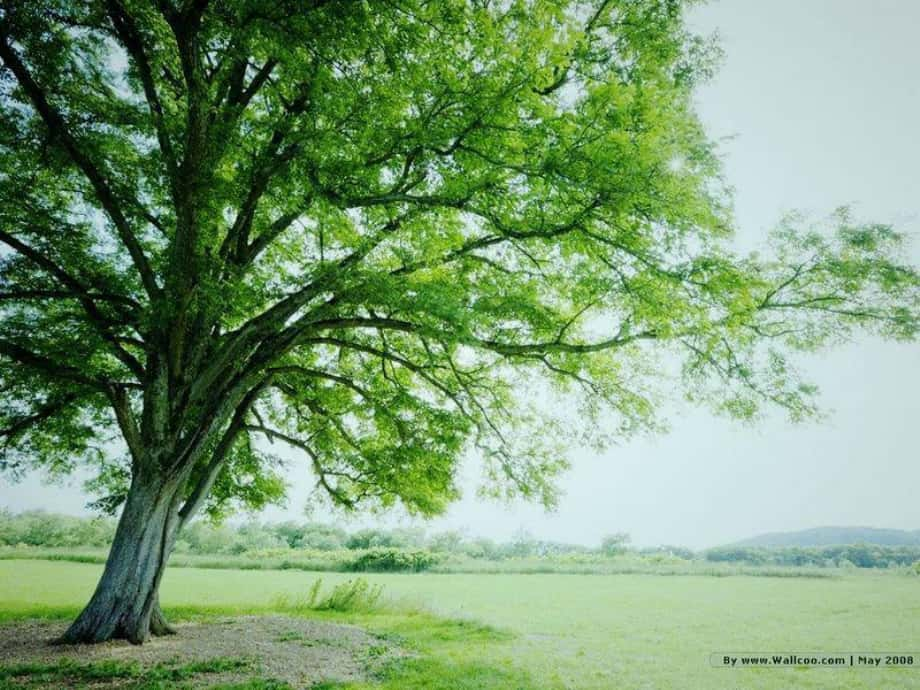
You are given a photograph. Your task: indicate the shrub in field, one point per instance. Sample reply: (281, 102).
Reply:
(393, 560)
(351, 596)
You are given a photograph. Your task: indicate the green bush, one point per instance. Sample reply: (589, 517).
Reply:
(351, 596)
(393, 561)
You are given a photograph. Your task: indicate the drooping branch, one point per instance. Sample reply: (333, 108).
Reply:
(79, 284)
(327, 375)
(101, 324)
(49, 368)
(46, 411)
(505, 234)
(321, 472)
(427, 373)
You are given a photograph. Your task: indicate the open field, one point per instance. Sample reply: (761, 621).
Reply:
(560, 631)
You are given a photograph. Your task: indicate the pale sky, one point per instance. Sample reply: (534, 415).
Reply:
(821, 99)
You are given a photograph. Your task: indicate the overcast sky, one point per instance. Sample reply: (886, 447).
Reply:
(818, 101)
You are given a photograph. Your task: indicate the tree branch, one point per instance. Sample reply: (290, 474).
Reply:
(493, 345)
(121, 404)
(200, 492)
(66, 294)
(562, 75)
(82, 294)
(320, 471)
(59, 130)
(25, 422)
(49, 368)
(269, 162)
(131, 39)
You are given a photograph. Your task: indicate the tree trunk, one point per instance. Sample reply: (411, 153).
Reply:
(159, 626)
(125, 604)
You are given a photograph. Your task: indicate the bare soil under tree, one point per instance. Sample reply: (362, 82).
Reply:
(299, 652)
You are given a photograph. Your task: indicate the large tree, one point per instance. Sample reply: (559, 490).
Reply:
(374, 232)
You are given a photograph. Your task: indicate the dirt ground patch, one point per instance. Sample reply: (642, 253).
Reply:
(297, 651)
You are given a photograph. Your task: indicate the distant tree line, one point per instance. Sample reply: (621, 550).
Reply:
(39, 528)
(845, 555)
(413, 549)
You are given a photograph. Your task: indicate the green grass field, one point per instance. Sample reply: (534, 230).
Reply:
(561, 631)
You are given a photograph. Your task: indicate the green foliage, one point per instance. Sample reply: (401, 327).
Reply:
(351, 596)
(573, 563)
(374, 233)
(38, 528)
(312, 536)
(393, 560)
(615, 544)
(374, 538)
(447, 542)
(844, 556)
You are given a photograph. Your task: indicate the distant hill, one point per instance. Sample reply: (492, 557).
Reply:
(834, 536)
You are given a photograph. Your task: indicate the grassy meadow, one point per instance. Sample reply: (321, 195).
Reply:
(555, 631)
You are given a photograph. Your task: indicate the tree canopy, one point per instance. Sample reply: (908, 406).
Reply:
(371, 231)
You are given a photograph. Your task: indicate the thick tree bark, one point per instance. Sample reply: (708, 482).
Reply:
(159, 626)
(125, 604)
